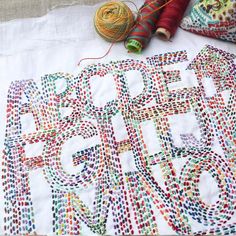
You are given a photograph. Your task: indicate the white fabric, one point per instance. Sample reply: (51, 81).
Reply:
(31, 48)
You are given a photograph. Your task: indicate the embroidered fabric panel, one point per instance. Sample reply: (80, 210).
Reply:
(130, 167)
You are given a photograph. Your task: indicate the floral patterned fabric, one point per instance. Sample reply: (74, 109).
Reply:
(213, 18)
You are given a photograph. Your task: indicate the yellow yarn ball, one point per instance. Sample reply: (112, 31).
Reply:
(113, 21)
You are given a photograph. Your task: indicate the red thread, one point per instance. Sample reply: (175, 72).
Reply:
(97, 58)
(171, 16)
(146, 22)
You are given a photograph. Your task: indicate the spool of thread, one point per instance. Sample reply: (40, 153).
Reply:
(113, 21)
(170, 18)
(145, 26)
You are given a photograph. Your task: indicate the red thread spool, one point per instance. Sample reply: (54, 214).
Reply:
(145, 25)
(170, 18)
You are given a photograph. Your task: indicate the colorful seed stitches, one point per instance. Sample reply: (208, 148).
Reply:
(179, 203)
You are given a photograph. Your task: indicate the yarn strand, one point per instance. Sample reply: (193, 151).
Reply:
(97, 58)
(116, 35)
(158, 9)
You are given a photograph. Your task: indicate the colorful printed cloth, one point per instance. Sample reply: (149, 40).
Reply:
(213, 18)
(127, 145)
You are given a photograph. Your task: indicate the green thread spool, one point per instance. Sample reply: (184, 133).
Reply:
(134, 46)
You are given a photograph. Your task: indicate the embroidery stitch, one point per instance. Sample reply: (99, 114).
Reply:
(178, 200)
